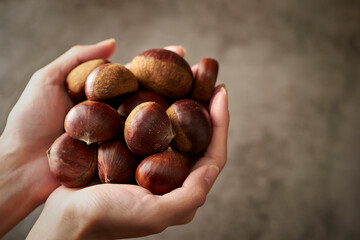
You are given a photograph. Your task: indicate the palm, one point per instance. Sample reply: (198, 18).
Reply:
(37, 126)
(124, 196)
(133, 204)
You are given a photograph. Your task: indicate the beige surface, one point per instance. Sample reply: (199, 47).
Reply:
(292, 72)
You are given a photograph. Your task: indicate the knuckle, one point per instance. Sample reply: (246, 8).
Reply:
(156, 222)
(189, 218)
(38, 74)
(75, 49)
(199, 199)
(155, 228)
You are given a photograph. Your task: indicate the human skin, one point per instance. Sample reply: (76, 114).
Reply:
(101, 211)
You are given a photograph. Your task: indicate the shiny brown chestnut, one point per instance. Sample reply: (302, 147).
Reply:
(162, 172)
(163, 72)
(92, 121)
(148, 129)
(116, 163)
(75, 80)
(192, 125)
(110, 80)
(139, 97)
(205, 80)
(71, 161)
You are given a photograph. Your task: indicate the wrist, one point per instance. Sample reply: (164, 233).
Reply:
(16, 190)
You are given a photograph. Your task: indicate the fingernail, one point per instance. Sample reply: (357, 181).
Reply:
(211, 174)
(107, 42)
(223, 89)
(225, 96)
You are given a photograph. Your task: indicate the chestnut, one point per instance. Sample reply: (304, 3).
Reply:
(110, 80)
(116, 163)
(162, 172)
(75, 80)
(92, 121)
(71, 161)
(148, 129)
(163, 72)
(139, 97)
(192, 125)
(205, 79)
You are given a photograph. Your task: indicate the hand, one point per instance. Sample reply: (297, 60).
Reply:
(109, 211)
(34, 123)
(37, 120)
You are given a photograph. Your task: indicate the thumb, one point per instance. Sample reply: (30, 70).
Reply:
(76, 55)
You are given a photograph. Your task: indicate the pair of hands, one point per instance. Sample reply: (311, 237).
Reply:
(99, 211)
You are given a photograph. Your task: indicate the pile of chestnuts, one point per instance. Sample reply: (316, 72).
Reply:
(143, 125)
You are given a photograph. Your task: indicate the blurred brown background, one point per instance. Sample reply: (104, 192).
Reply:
(293, 75)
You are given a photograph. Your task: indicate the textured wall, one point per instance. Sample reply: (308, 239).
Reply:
(292, 69)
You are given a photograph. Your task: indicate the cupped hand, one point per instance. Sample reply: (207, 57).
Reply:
(109, 211)
(37, 119)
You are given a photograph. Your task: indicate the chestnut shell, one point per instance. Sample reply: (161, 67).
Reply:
(137, 98)
(75, 80)
(116, 163)
(205, 80)
(92, 121)
(110, 80)
(162, 172)
(71, 161)
(163, 72)
(148, 129)
(192, 125)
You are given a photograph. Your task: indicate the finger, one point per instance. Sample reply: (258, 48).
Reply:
(216, 152)
(76, 55)
(182, 202)
(177, 49)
